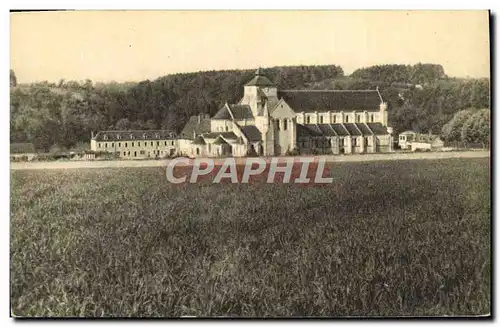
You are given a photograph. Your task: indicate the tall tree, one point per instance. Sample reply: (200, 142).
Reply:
(477, 128)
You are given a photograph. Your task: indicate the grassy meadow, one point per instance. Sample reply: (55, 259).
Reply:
(386, 238)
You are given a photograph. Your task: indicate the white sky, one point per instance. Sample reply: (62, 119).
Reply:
(136, 45)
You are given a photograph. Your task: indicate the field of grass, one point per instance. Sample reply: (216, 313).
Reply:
(386, 238)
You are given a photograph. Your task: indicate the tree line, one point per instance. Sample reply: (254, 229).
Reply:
(66, 113)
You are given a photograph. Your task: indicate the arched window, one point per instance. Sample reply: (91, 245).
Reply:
(197, 151)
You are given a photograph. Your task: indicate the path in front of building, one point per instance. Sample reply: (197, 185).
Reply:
(163, 162)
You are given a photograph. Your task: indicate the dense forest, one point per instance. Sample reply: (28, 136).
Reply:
(421, 97)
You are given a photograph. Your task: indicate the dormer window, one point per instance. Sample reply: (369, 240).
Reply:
(105, 137)
(118, 136)
(157, 135)
(132, 136)
(144, 136)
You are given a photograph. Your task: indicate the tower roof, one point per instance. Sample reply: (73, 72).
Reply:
(259, 80)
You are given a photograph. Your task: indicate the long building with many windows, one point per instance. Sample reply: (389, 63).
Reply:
(136, 144)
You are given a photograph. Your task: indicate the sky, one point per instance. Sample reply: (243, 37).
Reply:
(136, 45)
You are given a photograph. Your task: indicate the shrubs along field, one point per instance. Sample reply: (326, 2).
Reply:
(385, 238)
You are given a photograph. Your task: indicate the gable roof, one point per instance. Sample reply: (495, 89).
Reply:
(252, 133)
(220, 140)
(351, 128)
(364, 129)
(226, 135)
(236, 111)
(134, 135)
(199, 140)
(332, 100)
(196, 124)
(341, 129)
(223, 113)
(377, 128)
(241, 111)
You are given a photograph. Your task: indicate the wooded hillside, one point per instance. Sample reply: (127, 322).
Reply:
(421, 97)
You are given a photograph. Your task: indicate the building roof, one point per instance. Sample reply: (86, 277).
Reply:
(252, 133)
(341, 129)
(226, 135)
(134, 135)
(327, 130)
(259, 80)
(22, 148)
(332, 100)
(199, 140)
(219, 141)
(223, 113)
(196, 124)
(378, 128)
(352, 129)
(308, 130)
(364, 129)
(241, 111)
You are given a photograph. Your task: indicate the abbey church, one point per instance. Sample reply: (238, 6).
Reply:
(268, 122)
